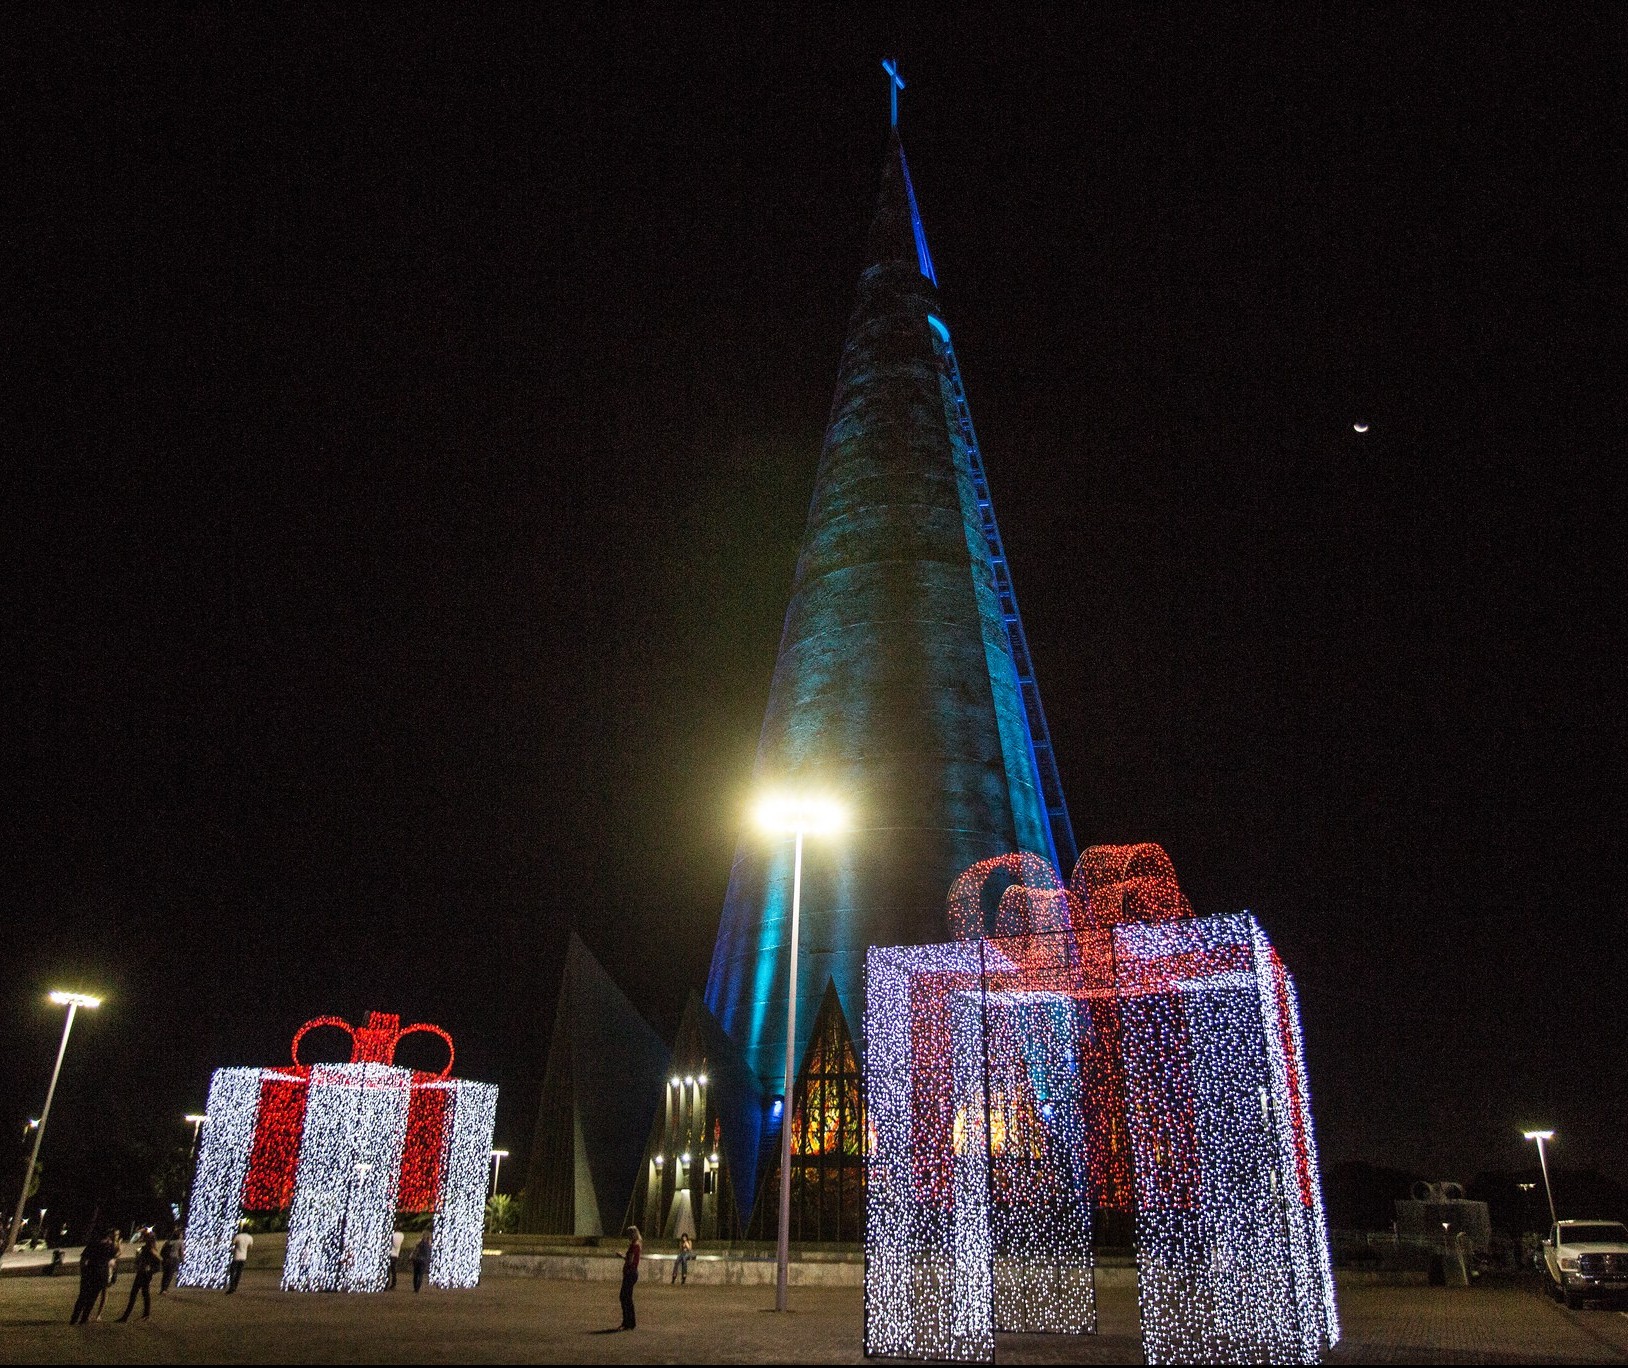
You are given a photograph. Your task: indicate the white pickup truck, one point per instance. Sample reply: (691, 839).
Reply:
(1587, 1261)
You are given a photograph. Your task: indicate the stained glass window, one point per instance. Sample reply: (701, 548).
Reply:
(827, 1141)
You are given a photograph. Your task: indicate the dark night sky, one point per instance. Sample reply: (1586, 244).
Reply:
(419, 414)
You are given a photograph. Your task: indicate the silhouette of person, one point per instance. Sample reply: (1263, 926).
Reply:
(421, 1260)
(242, 1242)
(148, 1262)
(630, 1275)
(170, 1257)
(92, 1277)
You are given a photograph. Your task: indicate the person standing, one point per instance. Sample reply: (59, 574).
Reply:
(681, 1265)
(242, 1243)
(421, 1260)
(397, 1239)
(630, 1275)
(92, 1278)
(148, 1262)
(170, 1260)
(116, 1238)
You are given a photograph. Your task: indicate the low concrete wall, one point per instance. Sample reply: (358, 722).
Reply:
(1380, 1277)
(588, 1265)
(704, 1268)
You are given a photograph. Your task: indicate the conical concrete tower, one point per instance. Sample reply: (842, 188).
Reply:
(903, 685)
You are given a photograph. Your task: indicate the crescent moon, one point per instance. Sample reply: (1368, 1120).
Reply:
(1359, 427)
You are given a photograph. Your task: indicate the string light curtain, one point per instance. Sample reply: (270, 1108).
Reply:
(1232, 1247)
(216, 1204)
(927, 1238)
(1038, 1136)
(996, 1072)
(466, 1155)
(350, 1169)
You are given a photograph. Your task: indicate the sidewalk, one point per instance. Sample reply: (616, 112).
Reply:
(32, 1262)
(538, 1320)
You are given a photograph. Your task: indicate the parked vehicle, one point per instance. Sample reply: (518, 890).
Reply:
(1587, 1261)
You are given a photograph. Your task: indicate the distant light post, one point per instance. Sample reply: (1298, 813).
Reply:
(800, 816)
(197, 1120)
(498, 1156)
(1543, 1163)
(73, 1002)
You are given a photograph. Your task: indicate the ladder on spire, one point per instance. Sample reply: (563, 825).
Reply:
(1064, 850)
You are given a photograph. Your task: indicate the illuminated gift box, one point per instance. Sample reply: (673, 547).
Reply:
(343, 1148)
(1101, 1037)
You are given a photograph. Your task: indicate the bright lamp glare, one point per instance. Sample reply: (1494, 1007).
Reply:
(807, 813)
(1539, 1135)
(75, 1000)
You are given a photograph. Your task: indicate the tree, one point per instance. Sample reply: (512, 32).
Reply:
(500, 1214)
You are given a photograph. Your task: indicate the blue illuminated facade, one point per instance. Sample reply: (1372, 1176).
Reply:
(903, 683)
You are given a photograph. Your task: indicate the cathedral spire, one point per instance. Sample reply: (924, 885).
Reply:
(897, 236)
(896, 232)
(901, 682)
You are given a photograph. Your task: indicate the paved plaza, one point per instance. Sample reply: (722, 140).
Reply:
(528, 1320)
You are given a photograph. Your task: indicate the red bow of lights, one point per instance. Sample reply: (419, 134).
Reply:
(1047, 926)
(280, 1124)
(376, 1042)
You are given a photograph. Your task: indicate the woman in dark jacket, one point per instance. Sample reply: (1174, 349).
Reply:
(148, 1262)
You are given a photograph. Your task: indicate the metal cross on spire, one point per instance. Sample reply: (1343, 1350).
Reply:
(894, 85)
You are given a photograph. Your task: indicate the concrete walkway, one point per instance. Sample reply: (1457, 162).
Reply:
(524, 1320)
(32, 1260)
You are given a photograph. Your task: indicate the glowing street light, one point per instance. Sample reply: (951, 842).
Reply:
(1543, 1162)
(800, 815)
(196, 1119)
(73, 1002)
(498, 1156)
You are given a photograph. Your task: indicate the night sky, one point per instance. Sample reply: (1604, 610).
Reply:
(417, 415)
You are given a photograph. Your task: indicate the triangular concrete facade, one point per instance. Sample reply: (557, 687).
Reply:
(605, 1071)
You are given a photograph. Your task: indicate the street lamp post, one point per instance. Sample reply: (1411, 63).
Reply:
(498, 1156)
(799, 816)
(73, 1002)
(197, 1120)
(1543, 1163)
